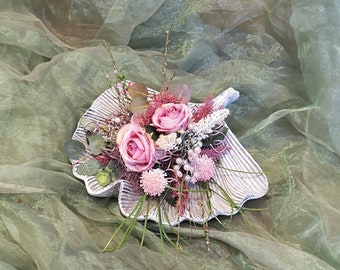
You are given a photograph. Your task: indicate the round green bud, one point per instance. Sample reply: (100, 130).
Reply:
(103, 177)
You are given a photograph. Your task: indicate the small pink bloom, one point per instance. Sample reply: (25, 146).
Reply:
(136, 148)
(171, 117)
(204, 168)
(153, 182)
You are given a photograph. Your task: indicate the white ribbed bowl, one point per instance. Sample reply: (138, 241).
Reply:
(242, 179)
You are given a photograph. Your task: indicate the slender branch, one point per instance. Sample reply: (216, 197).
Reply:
(165, 54)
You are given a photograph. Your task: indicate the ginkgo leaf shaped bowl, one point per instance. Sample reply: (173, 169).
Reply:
(237, 178)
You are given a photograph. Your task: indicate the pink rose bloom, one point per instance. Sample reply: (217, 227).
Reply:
(136, 148)
(171, 117)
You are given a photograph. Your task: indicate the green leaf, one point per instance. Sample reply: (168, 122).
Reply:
(138, 89)
(115, 168)
(121, 76)
(74, 149)
(153, 132)
(89, 167)
(138, 105)
(88, 124)
(150, 129)
(96, 144)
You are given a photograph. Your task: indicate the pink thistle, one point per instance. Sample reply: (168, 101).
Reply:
(204, 167)
(153, 182)
(204, 109)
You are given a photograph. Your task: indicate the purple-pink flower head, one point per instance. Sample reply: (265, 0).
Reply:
(153, 182)
(204, 168)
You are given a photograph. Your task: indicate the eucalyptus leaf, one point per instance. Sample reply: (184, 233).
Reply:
(88, 124)
(115, 168)
(138, 89)
(138, 105)
(96, 144)
(90, 167)
(74, 149)
(181, 91)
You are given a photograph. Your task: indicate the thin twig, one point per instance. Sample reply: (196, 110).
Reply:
(165, 54)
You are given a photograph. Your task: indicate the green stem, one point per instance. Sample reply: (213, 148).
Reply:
(146, 220)
(134, 214)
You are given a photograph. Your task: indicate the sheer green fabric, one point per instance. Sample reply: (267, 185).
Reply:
(284, 58)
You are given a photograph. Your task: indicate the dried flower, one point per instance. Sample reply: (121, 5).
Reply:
(103, 178)
(180, 194)
(203, 110)
(205, 126)
(203, 168)
(153, 182)
(167, 142)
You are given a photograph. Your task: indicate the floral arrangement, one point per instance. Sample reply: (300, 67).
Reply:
(164, 148)
(158, 143)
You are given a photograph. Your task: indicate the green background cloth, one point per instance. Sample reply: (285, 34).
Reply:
(282, 56)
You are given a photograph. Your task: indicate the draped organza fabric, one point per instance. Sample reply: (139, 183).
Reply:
(282, 56)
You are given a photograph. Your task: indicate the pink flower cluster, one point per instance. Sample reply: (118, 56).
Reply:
(159, 145)
(135, 144)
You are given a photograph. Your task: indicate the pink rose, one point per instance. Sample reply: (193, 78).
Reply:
(171, 117)
(136, 148)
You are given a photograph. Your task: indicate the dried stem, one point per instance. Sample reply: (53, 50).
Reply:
(165, 54)
(107, 47)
